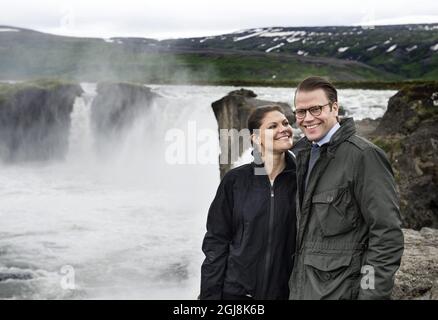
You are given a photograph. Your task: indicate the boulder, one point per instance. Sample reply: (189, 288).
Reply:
(232, 112)
(408, 133)
(409, 108)
(366, 127)
(35, 119)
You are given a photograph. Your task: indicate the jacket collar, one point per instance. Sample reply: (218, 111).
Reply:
(328, 135)
(346, 130)
(290, 162)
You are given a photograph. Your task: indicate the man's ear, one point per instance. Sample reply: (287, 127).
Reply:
(335, 107)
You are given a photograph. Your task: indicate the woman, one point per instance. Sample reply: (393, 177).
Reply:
(250, 235)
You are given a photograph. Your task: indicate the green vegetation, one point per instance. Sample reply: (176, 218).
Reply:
(7, 90)
(403, 50)
(392, 145)
(28, 55)
(372, 85)
(97, 63)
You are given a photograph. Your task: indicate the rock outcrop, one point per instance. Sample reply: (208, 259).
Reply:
(35, 120)
(408, 132)
(417, 277)
(366, 127)
(116, 106)
(232, 112)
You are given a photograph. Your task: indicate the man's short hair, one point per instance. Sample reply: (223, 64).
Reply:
(314, 83)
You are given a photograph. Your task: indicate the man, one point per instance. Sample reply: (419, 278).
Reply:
(349, 240)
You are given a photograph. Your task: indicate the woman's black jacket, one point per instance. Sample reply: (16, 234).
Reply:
(250, 239)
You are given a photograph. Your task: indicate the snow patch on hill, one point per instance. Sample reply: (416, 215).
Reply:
(275, 47)
(391, 48)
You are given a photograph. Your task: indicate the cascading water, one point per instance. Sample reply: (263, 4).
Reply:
(126, 224)
(81, 137)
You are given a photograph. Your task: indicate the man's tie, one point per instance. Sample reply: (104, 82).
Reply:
(314, 155)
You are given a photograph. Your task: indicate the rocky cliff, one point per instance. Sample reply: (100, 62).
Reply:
(232, 112)
(115, 108)
(408, 132)
(35, 119)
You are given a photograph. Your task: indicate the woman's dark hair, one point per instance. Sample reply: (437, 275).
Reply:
(255, 121)
(314, 83)
(256, 117)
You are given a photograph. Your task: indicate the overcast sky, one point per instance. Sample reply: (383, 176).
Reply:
(172, 19)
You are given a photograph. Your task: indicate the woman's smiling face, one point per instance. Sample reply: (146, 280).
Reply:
(275, 133)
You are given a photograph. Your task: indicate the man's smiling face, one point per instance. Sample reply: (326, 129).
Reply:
(316, 127)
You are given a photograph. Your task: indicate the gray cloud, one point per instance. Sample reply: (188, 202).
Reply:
(166, 18)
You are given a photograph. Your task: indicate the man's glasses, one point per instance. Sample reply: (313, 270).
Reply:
(314, 111)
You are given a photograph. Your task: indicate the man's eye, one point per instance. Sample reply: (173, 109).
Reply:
(315, 109)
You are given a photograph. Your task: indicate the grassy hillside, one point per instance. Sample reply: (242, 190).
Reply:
(26, 54)
(409, 51)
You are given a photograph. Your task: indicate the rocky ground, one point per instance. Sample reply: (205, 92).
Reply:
(417, 277)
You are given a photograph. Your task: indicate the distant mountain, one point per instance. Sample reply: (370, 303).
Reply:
(410, 51)
(382, 53)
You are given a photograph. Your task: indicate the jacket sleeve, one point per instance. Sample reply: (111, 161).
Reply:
(216, 241)
(379, 204)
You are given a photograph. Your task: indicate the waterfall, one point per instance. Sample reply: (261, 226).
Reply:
(128, 223)
(80, 136)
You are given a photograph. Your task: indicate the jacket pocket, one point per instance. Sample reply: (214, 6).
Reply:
(334, 211)
(239, 234)
(327, 263)
(327, 276)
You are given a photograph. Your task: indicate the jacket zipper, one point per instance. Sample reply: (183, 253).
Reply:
(270, 231)
(269, 248)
